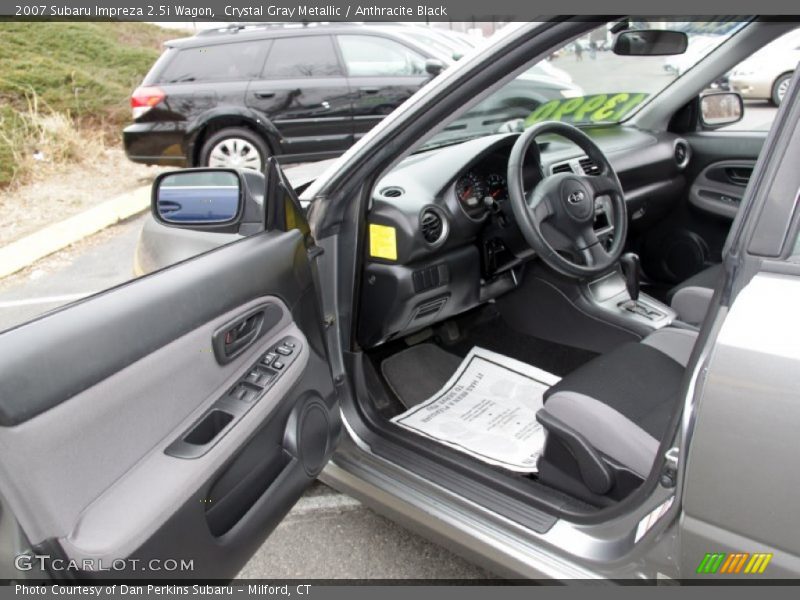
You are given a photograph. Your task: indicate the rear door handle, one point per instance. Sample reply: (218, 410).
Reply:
(370, 90)
(264, 95)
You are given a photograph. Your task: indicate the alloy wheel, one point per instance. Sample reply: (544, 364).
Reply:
(235, 153)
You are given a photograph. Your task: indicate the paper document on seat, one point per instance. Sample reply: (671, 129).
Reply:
(487, 410)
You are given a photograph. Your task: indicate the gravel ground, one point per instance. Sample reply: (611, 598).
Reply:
(59, 192)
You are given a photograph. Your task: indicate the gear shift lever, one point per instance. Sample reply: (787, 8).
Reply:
(632, 272)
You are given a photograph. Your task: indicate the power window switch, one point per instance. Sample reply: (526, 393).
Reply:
(244, 393)
(283, 350)
(268, 358)
(277, 365)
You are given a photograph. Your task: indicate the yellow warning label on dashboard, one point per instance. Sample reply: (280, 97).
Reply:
(382, 241)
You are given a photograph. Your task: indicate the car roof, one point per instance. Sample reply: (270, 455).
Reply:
(238, 32)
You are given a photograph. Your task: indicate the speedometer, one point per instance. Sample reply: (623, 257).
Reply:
(496, 184)
(471, 190)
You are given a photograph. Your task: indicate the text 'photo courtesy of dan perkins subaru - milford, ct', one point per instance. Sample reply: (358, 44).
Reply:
(349, 299)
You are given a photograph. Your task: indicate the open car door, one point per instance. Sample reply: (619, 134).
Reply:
(177, 418)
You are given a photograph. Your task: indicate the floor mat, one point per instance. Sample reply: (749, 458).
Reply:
(493, 333)
(417, 373)
(486, 409)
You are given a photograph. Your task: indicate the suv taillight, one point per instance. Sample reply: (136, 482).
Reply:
(144, 98)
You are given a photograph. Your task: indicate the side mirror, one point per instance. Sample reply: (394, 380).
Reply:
(433, 66)
(650, 42)
(221, 200)
(720, 108)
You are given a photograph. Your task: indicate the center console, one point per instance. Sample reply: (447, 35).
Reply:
(596, 315)
(609, 298)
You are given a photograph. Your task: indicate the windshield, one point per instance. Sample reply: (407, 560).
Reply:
(585, 83)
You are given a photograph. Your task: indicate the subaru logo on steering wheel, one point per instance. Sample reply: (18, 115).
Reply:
(576, 197)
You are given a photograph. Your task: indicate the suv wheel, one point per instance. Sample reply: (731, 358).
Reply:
(234, 148)
(780, 87)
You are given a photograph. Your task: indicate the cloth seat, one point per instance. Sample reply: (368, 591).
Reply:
(620, 404)
(691, 298)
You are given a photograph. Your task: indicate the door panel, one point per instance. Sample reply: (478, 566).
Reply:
(692, 236)
(718, 189)
(93, 396)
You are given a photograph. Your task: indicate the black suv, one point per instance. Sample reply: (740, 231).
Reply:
(231, 97)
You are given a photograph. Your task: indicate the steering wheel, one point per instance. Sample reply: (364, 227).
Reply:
(567, 202)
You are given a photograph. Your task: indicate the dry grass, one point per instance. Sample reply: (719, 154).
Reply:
(40, 138)
(65, 85)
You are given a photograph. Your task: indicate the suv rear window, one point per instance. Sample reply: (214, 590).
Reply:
(305, 56)
(220, 62)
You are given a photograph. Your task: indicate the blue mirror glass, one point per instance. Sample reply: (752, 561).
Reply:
(210, 196)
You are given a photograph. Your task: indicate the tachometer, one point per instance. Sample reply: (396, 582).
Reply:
(471, 190)
(497, 186)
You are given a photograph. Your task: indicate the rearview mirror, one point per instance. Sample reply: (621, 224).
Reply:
(650, 42)
(210, 197)
(721, 108)
(434, 66)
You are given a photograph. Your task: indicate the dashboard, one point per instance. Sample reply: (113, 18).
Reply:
(442, 234)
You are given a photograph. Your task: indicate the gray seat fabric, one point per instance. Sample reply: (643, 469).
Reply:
(691, 298)
(707, 278)
(622, 402)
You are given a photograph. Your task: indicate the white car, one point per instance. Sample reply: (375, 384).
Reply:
(766, 74)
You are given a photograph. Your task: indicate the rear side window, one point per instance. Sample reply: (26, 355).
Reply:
(371, 56)
(305, 56)
(221, 62)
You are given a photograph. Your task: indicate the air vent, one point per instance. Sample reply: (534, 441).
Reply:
(589, 167)
(432, 225)
(681, 153)
(429, 309)
(392, 192)
(561, 168)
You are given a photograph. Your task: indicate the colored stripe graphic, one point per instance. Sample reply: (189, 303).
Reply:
(758, 563)
(711, 562)
(734, 563)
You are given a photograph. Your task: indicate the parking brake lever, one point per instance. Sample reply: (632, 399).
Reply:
(632, 271)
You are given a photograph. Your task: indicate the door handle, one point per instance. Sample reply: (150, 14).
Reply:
(264, 95)
(241, 334)
(370, 90)
(238, 334)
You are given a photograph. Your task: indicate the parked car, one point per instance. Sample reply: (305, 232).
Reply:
(766, 74)
(625, 427)
(234, 96)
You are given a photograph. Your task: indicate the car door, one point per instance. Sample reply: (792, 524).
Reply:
(172, 420)
(302, 90)
(716, 165)
(740, 481)
(382, 74)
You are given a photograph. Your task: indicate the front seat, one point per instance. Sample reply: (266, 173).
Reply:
(691, 298)
(605, 420)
